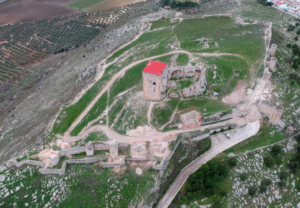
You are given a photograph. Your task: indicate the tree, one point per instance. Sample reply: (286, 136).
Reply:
(276, 150)
(296, 38)
(232, 162)
(289, 45)
(243, 176)
(252, 190)
(264, 184)
(268, 161)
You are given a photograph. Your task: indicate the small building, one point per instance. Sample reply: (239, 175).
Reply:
(154, 80)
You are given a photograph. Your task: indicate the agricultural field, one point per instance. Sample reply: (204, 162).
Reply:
(81, 4)
(31, 10)
(31, 42)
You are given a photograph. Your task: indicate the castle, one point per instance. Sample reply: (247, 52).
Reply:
(156, 74)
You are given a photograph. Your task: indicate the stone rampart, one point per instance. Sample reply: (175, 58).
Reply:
(272, 112)
(13, 162)
(75, 150)
(62, 170)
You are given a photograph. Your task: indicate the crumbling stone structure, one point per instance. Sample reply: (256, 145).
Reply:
(272, 63)
(267, 74)
(189, 71)
(272, 50)
(272, 112)
(113, 149)
(13, 162)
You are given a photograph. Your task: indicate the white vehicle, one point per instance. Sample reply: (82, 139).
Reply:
(227, 135)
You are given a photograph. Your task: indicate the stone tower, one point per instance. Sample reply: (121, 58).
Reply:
(154, 80)
(272, 50)
(272, 63)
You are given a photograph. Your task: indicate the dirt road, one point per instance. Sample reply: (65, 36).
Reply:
(159, 136)
(219, 144)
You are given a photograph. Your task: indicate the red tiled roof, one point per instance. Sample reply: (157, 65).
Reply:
(2, 42)
(155, 67)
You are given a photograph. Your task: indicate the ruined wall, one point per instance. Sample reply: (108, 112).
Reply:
(272, 112)
(62, 170)
(272, 63)
(272, 50)
(197, 88)
(190, 71)
(13, 162)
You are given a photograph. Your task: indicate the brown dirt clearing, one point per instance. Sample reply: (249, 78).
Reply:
(237, 94)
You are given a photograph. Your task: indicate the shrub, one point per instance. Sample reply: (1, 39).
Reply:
(232, 162)
(298, 149)
(282, 175)
(297, 138)
(276, 150)
(266, 181)
(252, 190)
(243, 176)
(293, 165)
(268, 161)
(262, 188)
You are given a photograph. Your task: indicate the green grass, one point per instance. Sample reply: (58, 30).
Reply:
(96, 136)
(255, 11)
(185, 83)
(81, 4)
(226, 33)
(183, 59)
(95, 111)
(132, 77)
(229, 70)
(76, 109)
(159, 38)
(210, 106)
(262, 138)
(102, 185)
(161, 114)
(162, 23)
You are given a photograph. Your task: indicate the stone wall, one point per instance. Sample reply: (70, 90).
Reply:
(189, 71)
(62, 170)
(13, 162)
(272, 112)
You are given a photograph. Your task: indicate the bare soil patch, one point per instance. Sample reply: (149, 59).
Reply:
(31, 10)
(110, 4)
(237, 95)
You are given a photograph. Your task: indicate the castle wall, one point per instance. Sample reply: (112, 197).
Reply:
(272, 112)
(272, 63)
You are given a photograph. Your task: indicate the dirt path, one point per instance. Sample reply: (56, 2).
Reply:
(159, 136)
(219, 144)
(149, 114)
